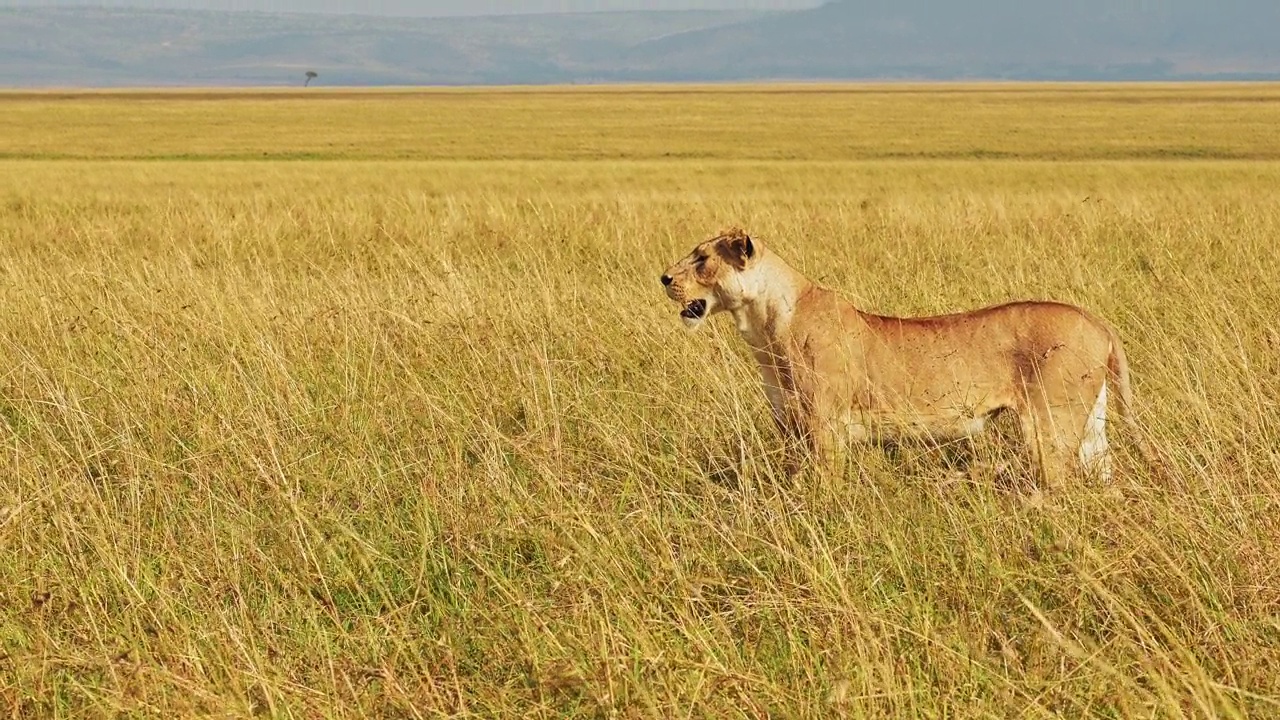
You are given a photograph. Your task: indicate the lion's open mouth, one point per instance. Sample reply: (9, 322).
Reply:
(694, 310)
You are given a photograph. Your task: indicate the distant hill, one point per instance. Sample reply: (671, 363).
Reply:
(111, 47)
(1027, 39)
(848, 39)
(426, 8)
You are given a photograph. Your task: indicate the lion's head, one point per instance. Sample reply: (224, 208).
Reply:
(709, 279)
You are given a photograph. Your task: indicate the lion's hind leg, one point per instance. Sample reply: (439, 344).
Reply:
(1053, 436)
(1095, 452)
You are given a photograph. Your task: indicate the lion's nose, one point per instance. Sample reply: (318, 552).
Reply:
(666, 279)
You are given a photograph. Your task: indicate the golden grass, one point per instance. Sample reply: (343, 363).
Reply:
(861, 122)
(412, 431)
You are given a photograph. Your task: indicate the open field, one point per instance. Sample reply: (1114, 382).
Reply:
(789, 122)
(341, 404)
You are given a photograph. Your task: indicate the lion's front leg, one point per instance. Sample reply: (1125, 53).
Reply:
(830, 444)
(785, 407)
(816, 441)
(811, 423)
(794, 458)
(796, 447)
(801, 450)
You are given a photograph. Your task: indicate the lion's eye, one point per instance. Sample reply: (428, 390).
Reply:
(700, 260)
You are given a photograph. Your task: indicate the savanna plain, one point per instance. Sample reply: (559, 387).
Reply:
(343, 403)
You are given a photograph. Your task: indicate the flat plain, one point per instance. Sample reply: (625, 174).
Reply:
(345, 403)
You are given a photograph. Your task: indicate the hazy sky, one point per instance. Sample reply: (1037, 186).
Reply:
(428, 7)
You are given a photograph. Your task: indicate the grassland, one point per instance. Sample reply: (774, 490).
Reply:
(346, 404)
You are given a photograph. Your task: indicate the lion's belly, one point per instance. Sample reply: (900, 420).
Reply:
(862, 425)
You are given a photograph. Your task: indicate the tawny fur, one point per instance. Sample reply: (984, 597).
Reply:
(834, 374)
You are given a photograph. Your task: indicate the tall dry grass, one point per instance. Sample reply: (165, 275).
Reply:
(368, 436)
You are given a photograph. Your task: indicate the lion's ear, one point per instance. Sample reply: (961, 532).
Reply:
(740, 249)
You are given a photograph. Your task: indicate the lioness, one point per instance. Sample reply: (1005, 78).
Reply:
(833, 373)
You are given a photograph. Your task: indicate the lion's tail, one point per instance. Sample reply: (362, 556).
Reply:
(1118, 372)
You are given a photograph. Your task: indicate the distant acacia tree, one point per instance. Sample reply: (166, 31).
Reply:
(311, 75)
